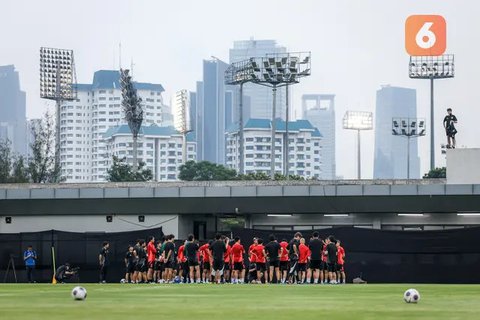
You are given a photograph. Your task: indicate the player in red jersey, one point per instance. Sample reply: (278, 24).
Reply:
(227, 260)
(151, 252)
(260, 259)
(284, 260)
(238, 272)
(303, 256)
(324, 269)
(340, 263)
(251, 256)
(206, 257)
(181, 260)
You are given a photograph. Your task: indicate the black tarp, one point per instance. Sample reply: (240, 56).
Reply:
(79, 249)
(446, 256)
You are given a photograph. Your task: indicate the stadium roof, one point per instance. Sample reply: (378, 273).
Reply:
(110, 79)
(146, 130)
(293, 126)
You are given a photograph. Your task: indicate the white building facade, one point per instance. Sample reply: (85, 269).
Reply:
(160, 148)
(84, 121)
(304, 148)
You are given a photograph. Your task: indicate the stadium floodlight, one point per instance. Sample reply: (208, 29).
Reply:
(282, 69)
(273, 70)
(181, 118)
(58, 81)
(132, 108)
(358, 120)
(432, 67)
(408, 128)
(239, 73)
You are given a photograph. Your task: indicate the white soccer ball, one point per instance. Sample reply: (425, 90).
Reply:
(411, 296)
(122, 280)
(79, 293)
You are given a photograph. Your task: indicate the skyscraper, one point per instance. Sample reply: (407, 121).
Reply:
(260, 97)
(13, 120)
(319, 109)
(390, 160)
(215, 105)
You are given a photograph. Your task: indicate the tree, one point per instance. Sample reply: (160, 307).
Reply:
(19, 171)
(205, 171)
(42, 166)
(121, 171)
(5, 161)
(436, 173)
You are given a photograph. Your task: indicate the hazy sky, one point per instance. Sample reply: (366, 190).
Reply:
(356, 45)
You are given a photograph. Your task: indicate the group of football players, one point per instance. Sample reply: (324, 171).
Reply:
(225, 260)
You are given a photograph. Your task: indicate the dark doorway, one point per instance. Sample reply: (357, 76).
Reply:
(200, 230)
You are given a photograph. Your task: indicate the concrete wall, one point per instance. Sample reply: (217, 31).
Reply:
(375, 221)
(89, 223)
(463, 166)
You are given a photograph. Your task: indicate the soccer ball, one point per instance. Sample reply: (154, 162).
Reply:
(79, 293)
(122, 281)
(411, 296)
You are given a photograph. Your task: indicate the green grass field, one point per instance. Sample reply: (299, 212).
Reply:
(178, 302)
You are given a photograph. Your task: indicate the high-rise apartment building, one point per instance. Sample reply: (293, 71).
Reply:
(83, 122)
(304, 147)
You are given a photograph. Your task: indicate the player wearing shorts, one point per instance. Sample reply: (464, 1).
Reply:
(129, 265)
(284, 260)
(141, 266)
(206, 258)
(226, 260)
(151, 252)
(273, 251)
(316, 246)
(218, 249)
(331, 259)
(340, 263)
(182, 263)
(260, 258)
(238, 272)
(303, 256)
(191, 252)
(157, 267)
(169, 258)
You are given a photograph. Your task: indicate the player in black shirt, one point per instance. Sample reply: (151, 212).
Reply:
(169, 258)
(449, 125)
(218, 249)
(315, 245)
(191, 253)
(332, 259)
(103, 260)
(293, 255)
(129, 265)
(272, 249)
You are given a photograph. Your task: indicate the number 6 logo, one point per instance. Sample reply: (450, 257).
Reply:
(425, 35)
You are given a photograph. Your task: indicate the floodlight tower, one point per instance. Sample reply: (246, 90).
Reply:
(408, 128)
(239, 73)
(182, 118)
(58, 81)
(432, 67)
(278, 70)
(358, 120)
(132, 108)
